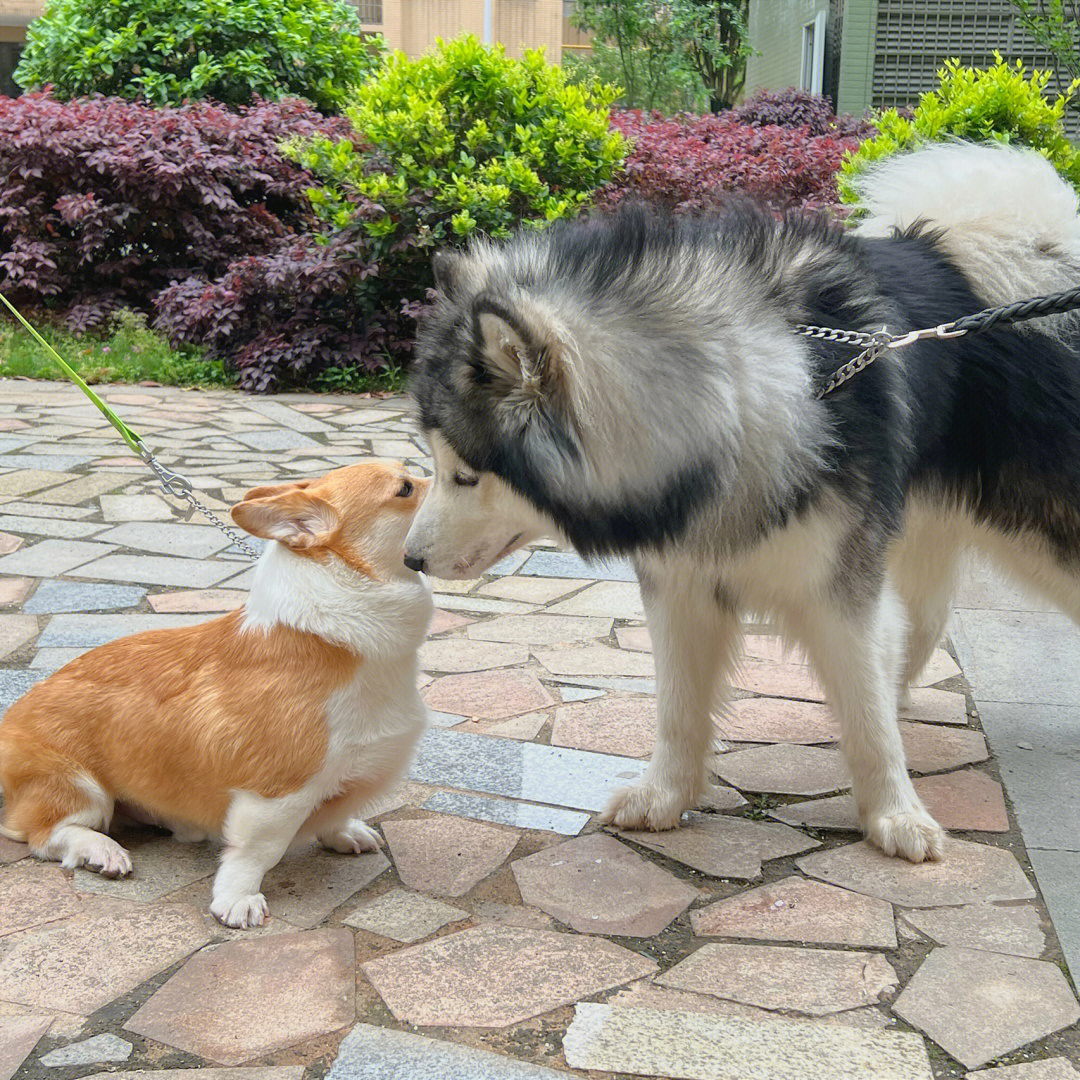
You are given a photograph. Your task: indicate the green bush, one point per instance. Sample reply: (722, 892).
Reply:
(169, 51)
(1000, 104)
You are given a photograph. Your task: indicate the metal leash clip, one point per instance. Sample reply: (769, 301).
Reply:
(172, 483)
(942, 332)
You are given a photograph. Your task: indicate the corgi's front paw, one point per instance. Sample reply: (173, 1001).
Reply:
(353, 838)
(241, 914)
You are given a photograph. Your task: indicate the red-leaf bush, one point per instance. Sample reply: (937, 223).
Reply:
(800, 109)
(105, 202)
(694, 163)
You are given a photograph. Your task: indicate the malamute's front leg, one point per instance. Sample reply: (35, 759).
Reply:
(857, 651)
(695, 639)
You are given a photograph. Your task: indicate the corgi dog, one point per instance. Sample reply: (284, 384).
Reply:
(271, 725)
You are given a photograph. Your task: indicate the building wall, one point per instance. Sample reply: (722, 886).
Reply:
(857, 52)
(776, 34)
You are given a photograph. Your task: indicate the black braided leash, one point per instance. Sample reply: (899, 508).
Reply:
(875, 345)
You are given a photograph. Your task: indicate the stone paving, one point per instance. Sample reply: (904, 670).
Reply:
(502, 934)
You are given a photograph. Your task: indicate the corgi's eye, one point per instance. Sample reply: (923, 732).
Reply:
(405, 490)
(465, 481)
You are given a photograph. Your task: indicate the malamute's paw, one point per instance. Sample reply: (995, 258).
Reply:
(912, 834)
(101, 854)
(643, 806)
(241, 914)
(354, 838)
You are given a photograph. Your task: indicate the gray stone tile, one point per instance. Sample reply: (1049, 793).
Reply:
(86, 631)
(277, 439)
(510, 564)
(46, 661)
(187, 541)
(405, 916)
(544, 774)
(1057, 873)
(280, 415)
(53, 597)
(92, 1051)
(39, 510)
(51, 462)
(42, 526)
(615, 682)
(83, 488)
(696, 1046)
(375, 1053)
(568, 565)
(159, 570)
(508, 812)
(15, 683)
(52, 557)
(135, 508)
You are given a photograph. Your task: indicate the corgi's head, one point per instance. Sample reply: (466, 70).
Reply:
(360, 514)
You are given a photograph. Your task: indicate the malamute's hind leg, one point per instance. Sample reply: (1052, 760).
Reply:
(695, 642)
(855, 647)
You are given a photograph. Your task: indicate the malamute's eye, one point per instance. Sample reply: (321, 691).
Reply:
(465, 481)
(405, 490)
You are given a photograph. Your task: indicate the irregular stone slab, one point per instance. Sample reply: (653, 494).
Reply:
(508, 812)
(725, 846)
(809, 981)
(25, 480)
(206, 1072)
(15, 632)
(720, 797)
(614, 724)
(932, 748)
(15, 683)
(596, 660)
(1056, 1068)
(596, 885)
(447, 855)
(403, 915)
(1002, 928)
(161, 866)
(532, 590)
(939, 667)
(33, 894)
(605, 598)
(668, 1043)
(82, 489)
(88, 631)
(763, 720)
(549, 630)
(795, 909)
(442, 621)
(634, 638)
(976, 1005)
(50, 558)
(772, 648)
(195, 600)
(785, 768)
(460, 654)
(54, 597)
(837, 812)
(100, 1048)
(375, 1053)
(567, 564)
(304, 984)
(11, 851)
(87, 960)
(493, 695)
(119, 508)
(966, 799)
(18, 1036)
(517, 727)
(158, 570)
(496, 975)
(935, 707)
(14, 589)
(778, 680)
(966, 874)
(542, 774)
(28, 525)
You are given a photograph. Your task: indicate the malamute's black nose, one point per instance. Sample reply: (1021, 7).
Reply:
(413, 563)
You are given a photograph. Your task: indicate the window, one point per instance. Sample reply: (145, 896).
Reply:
(370, 11)
(812, 74)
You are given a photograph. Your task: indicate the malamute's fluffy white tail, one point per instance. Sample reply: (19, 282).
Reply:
(1006, 218)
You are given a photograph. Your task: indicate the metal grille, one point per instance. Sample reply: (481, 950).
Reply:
(370, 11)
(833, 37)
(915, 37)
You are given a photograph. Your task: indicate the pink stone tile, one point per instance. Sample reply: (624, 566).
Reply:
(81, 963)
(9, 423)
(810, 981)
(10, 851)
(940, 667)
(596, 660)
(722, 846)
(9, 542)
(978, 1005)
(1055, 1068)
(457, 654)
(967, 873)
(13, 590)
(771, 648)
(966, 799)
(785, 768)
(837, 812)
(596, 885)
(513, 915)
(541, 630)
(935, 707)
(795, 909)
(32, 894)
(764, 719)
(517, 727)
(1015, 929)
(250, 997)
(447, 855)
(778, 680)
(18, 1037)
(15, 632)
(634, 638)
(195, 600)
(492, 695)
(441, 621)
(496, 975)
(615, 724)
(931, 748)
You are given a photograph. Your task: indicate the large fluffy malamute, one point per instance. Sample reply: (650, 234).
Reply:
(632, 383)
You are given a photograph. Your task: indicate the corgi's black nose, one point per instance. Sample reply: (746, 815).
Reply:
(413, 563)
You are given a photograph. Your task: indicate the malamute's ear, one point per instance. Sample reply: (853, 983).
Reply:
(448, 267)
(512, 354)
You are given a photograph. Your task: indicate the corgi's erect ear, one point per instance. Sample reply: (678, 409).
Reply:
(513, 354)
(276, 489)
(290, 515)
